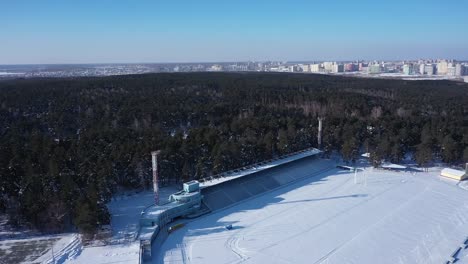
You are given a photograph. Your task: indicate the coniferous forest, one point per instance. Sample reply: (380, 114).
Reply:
(67, 145)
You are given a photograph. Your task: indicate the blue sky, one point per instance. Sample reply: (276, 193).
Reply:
(91, 31)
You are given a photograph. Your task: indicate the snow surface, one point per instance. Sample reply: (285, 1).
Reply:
(125, 213)
(395, 217)
(39, 249)
(66, 248)
(388, 165)
(11, 73)
(121, 253)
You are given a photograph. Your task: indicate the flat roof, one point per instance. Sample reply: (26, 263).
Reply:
(454, 172)
(389, 165)
(191, 182)
(261, 166)
(154, 210)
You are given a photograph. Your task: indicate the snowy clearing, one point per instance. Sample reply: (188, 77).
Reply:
(121, 253)
(39, 249)
(125, 213)
(393, 217)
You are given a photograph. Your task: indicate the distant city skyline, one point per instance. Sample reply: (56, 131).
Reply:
(79, 32)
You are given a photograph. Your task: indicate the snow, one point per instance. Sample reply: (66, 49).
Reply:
(388, 165)
(125, 213)
(40, 249)
(396, 217)
(391, 217)
(260, 167)
(68, 247)
(453, 172)
(463, 185)
(121, 253)
(11, 73)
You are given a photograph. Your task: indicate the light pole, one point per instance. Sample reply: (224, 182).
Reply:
(154, 156)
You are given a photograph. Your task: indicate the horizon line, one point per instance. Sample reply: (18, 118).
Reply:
(214, 62)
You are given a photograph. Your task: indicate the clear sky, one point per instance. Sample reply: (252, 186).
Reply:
(92, 31)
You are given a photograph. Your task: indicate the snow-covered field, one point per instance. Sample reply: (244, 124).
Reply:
(29, 247)
(40, 249)
(393, 217)
(387, 217)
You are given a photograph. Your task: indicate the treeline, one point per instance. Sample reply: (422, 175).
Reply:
(66, 145)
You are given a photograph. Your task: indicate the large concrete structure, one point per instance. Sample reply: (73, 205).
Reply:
(154, 220)
(328, 66)
(257, 180)
(336, 68)
(408, 69)
(215, 193)
(429, 69)
(350, 67)
(374, 69)
(304, 67)
(451, 71)
(442, 67)
(459, 69)
(315, 68)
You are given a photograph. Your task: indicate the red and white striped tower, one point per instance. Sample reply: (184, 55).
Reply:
(154, 155)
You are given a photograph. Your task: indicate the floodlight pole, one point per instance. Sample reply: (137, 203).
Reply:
(319, 134)
(154, 155)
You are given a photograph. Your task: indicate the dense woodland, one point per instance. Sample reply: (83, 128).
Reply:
(67, 145)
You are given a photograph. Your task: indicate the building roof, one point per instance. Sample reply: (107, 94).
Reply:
(388, 165)
(230, 175)
(454, 172)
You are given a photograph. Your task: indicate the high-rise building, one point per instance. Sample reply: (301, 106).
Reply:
(442, 67)
(451, 71)
(350, 67)
(374, 69)
(429, 69)
(408, 69)
(422, 68)
(337, 68)
(315, 68)
(328, 66)
(304, 67)
(459, 69)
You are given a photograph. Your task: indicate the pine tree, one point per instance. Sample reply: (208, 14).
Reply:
(423, 155)
(449, 149)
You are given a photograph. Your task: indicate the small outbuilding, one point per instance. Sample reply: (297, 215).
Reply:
(391, 166)
(454, 174)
